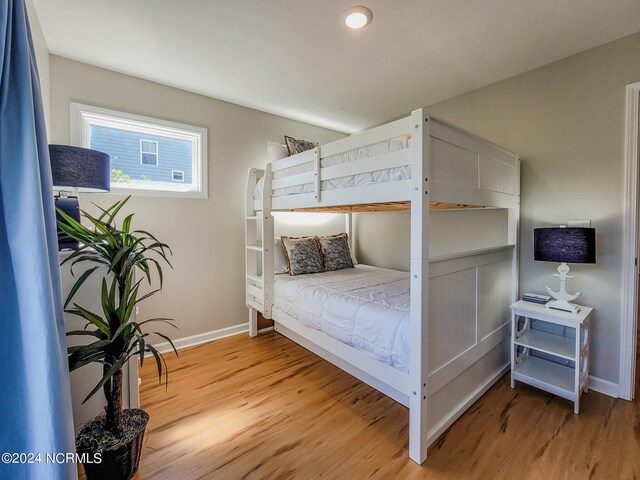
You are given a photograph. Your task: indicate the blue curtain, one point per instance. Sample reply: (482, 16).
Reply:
(35, 398)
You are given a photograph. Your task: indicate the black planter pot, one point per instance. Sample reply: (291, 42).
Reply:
(121, 460)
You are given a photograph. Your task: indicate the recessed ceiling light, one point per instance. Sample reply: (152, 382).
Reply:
(357, 17)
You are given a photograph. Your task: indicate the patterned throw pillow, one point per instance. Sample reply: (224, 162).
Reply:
(335, 252)
(303, 255)
(298, 146)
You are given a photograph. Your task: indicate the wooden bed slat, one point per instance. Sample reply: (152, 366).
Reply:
(384, 207)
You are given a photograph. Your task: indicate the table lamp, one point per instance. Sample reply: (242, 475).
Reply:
(80, 170)
(564, 245)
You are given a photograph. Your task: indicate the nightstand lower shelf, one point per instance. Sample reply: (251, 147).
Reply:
(549, 376)
(548, 343)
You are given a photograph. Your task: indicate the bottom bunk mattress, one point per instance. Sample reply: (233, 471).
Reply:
(365, 307)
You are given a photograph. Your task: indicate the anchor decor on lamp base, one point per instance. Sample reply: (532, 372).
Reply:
(562, 297)
(565, 245)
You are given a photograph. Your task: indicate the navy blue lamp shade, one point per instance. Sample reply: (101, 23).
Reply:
(564, 244)
(81, 168)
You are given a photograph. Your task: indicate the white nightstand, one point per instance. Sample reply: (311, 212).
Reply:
(562, 379)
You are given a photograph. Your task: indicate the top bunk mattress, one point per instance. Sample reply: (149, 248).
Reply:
(365, 307)
(367, 178)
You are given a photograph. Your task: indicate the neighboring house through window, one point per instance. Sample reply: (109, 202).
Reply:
(148, 156)
(148, 152)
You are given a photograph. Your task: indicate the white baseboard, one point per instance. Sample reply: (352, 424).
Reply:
(200, 338)
(603, 386)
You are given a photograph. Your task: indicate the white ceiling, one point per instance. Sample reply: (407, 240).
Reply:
(294, 58)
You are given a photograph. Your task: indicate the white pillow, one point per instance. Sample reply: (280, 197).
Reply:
(280, 264)
(257, 191)
(276, 151)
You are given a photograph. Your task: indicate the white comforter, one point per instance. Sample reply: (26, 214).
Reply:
(365, 307)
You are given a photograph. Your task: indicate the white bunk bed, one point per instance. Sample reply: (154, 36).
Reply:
(458, 314)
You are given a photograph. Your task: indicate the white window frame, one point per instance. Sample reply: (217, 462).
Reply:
(181, 172)
(83, 116)
(142, 140)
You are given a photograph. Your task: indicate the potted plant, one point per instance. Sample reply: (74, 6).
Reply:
(116, 252)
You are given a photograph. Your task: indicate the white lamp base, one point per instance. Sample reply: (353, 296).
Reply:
(562, 298)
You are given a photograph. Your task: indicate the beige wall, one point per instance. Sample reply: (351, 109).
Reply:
(205, 291)
(566, 120)
(42, 59)
(449, 232)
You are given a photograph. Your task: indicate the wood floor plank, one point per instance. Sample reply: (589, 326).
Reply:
(266, 408)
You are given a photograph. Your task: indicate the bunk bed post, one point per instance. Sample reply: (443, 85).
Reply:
(268, 245)
(348, 228)
(419, 310)
(514, 232)
(253, 322)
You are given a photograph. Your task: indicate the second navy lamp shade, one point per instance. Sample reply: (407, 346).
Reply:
(82, 168)
(564, 244)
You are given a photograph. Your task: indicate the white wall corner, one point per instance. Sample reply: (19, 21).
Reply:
(42, 60)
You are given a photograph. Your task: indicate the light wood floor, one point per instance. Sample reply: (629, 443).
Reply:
(267, 408)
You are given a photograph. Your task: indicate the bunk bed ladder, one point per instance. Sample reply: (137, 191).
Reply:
(258, 250)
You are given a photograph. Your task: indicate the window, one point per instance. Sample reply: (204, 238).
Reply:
(149, 152)
(148, 156)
